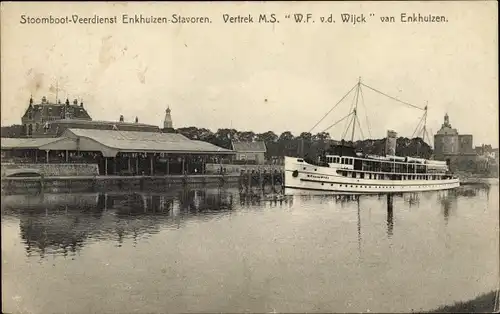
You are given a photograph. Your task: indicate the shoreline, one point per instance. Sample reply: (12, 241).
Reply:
(483, 303)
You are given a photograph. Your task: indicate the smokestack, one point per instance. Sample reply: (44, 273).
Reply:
(121, 118)
(390, 143)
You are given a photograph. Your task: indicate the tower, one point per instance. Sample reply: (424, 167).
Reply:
(390, 143)
(446, 121)
(446, 140)
(167, 122)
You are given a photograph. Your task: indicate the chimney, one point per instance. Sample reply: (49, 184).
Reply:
(121, 118)
(390, 143)
(75, 102)
(81, 104)
(136, 120)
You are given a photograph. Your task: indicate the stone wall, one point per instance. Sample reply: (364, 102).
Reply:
(53, 170)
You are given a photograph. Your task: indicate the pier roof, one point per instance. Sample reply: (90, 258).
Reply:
(249, 147)
(42, 143)
(113, 141)
(26, 143)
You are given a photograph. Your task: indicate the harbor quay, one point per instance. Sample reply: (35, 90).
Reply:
(245, 180)
(61, 147)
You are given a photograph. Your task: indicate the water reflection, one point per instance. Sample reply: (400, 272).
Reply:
(390, 216)
(62, 224)
(219, 250)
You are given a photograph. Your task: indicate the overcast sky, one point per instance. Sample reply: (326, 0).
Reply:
(260, 77)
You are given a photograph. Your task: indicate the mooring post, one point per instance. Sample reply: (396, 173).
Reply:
(390, 222)
(249, 183)
(261, 183)
(42, 183)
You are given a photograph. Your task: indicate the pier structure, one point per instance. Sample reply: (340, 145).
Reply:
(116, 152)
(261, 179)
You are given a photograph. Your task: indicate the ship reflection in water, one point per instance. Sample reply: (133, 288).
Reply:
(223, 250)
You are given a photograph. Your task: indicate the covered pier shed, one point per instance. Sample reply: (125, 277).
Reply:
(120, 152)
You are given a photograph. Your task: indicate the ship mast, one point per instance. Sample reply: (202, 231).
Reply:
(354, 117)
(424, 129)
(354, 112)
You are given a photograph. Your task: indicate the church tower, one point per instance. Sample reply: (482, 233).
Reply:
(167, 123)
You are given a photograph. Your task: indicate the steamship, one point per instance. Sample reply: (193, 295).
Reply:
(344, 170)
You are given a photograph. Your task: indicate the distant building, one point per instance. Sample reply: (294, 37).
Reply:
(487, 151)
(167, 122)
(390, 143)
(448, 143)
(37, 115)
(49, 120)
(250, 151)
(57, 127)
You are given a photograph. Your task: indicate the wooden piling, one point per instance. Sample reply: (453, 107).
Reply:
(261, 181)
(272, 182)
(42, 183)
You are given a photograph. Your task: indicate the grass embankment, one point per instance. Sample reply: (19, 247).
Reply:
(484, 303)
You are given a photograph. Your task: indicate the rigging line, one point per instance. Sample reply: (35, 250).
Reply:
(417, 128)
(347, 129)
(333, 107)
(355, 113)
(366, 115)
(337, 122)
(428, 137)
(360, 130)
(351, 110)
(393, 98)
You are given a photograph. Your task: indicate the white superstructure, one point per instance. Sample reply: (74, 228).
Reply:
(368, 174)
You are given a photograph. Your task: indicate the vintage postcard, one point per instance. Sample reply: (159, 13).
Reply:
(261, 157)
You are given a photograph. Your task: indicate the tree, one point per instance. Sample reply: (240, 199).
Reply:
(246, 136)
(189, 132)
(286, 136)
(223, 137)
(267, 137)
(305, 136)
(322, 136)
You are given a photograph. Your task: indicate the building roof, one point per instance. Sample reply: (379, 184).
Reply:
(27, 143)
(57, 110)
(249, 147)
(99, 122)
(134, 141)
(57, 126)
(447, 131)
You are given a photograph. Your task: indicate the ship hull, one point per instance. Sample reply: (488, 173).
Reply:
(308, 177)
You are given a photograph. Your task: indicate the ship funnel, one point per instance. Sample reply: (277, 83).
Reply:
(390, 143)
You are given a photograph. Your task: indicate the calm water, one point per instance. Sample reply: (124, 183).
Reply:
(213, 250)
